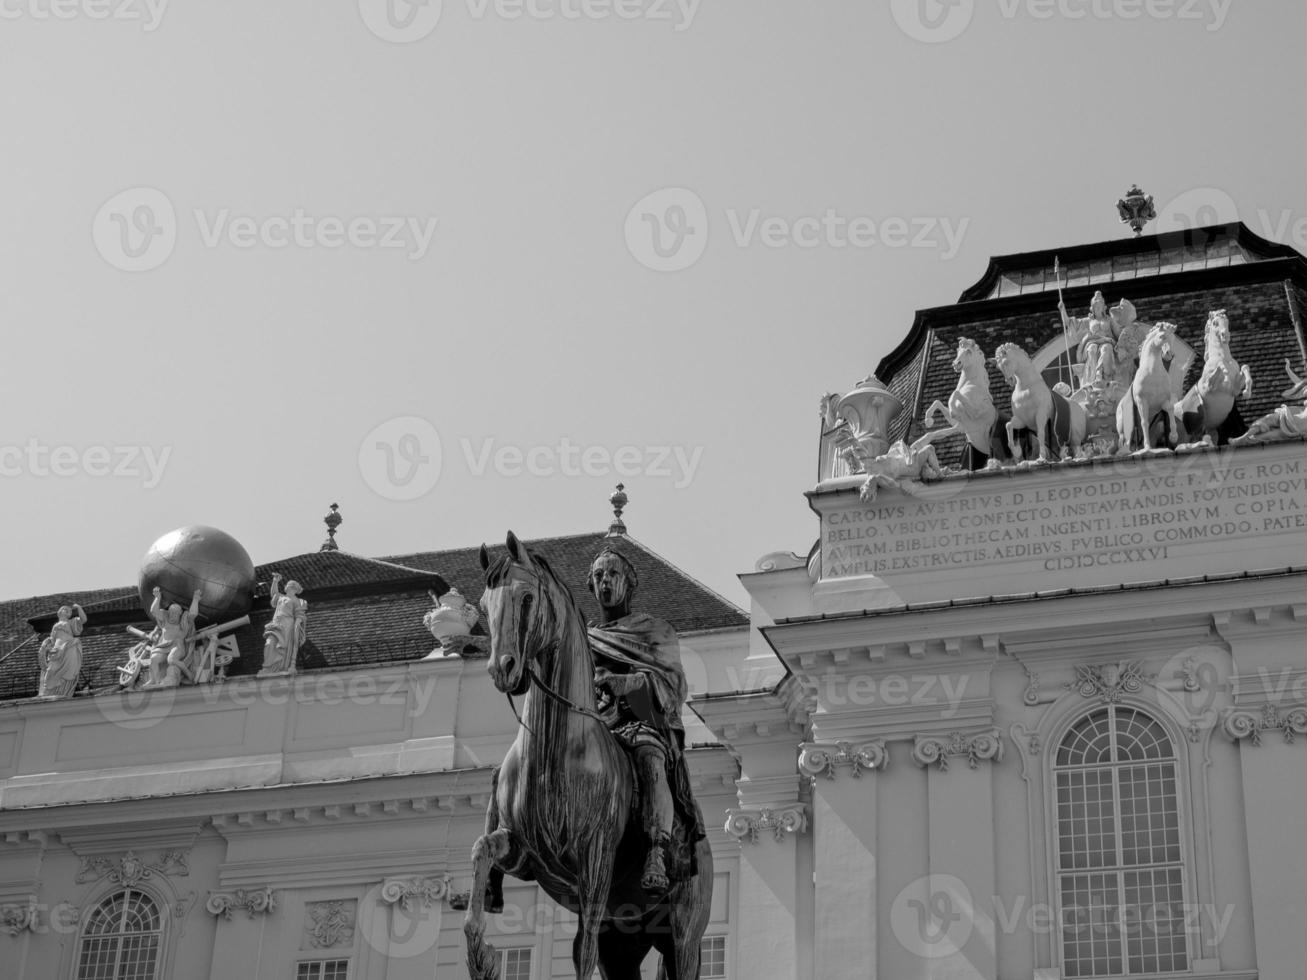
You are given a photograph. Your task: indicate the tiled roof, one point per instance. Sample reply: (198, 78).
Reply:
(361, 610)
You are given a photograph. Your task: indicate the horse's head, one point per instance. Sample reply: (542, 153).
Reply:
(1159, 339)
(1009, 359)
(1218, 330)
(969, 355)
(518, 614)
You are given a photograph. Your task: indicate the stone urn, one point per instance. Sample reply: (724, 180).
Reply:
(453, 617)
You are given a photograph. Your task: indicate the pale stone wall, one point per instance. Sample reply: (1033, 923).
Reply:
(352, 799)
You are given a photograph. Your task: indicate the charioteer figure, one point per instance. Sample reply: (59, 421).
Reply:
(641, 689)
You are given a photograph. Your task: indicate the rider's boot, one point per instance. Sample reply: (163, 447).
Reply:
(658, 816)
(495, 891)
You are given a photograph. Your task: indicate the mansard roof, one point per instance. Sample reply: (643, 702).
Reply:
(1178, 277)
(362, 610)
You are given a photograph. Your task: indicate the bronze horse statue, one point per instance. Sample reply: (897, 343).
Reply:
(561, 809)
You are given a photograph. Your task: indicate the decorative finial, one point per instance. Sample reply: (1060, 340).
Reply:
(333, 520)
(618, 499)
(1136, 209)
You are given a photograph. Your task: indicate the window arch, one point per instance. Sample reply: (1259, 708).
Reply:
(121, 939)
(1120, 863)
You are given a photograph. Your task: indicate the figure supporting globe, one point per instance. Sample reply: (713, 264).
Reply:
(203, 558)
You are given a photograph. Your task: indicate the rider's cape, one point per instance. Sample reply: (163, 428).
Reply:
(641, 643)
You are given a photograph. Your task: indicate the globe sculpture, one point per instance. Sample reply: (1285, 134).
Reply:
(203, 558)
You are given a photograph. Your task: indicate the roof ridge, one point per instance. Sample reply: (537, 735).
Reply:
(474, 547)
(684, 574)
(315, 555)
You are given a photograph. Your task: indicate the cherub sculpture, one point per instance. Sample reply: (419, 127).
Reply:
(60, 655)
(1286, 422)
(284, 635)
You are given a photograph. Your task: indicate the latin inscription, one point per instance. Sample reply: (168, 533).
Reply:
(1093, 523)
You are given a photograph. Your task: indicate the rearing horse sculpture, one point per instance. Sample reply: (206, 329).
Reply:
(1209, 404)
(560, 811)
(970, 409)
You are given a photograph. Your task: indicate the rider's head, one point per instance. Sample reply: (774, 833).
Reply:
(612, 580)
(1098, 305)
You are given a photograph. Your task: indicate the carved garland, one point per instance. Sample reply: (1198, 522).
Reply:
(130, 870)
(749, 823)
(977, 747)
(252, 901)
(823, 758)
(406, 891)
(1242, 723)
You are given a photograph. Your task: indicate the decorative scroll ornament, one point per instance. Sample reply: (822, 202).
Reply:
(332, 923)
(1243, 723)
(252, 901)
(1108, 682)
(818, 758)
(406, 891)
(130, 870)
(936, 749)
(18, 917)
(1026, 738)
(749, 823)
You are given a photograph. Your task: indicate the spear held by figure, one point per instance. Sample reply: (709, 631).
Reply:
(1066, 324)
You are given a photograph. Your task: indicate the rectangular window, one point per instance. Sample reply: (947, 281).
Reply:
(712, 957)
(322, 970)
(515, 964)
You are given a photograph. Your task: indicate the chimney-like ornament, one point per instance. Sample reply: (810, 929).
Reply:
(333, 520)
(1136, 209)
(618, 499)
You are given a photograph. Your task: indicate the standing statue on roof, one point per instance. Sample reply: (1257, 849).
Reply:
(641, 688)
(284, 635)
(60, 655)
(176, 639)
(1095, 336)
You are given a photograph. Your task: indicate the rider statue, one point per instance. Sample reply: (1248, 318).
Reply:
(642, 688)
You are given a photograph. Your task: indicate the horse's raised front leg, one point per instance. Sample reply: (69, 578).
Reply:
(482, 959)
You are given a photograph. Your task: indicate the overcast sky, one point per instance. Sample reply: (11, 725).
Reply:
(260, 257)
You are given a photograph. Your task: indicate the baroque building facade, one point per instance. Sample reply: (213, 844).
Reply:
(1039, 720)
(307, 825)
(1052, 713)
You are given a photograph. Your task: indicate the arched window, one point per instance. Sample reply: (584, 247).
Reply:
(1120, 868)
(121, 939)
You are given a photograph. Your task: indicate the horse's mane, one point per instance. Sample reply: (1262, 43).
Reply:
(1009, 350)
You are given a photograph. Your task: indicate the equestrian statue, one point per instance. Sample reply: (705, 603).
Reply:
(593, 798)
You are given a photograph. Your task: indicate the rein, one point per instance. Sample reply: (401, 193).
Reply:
(560, 699)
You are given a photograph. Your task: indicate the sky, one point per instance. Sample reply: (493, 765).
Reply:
(461, 267)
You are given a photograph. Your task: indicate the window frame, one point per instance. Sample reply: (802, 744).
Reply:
(726, 953)
(1187, 785)
(162, 909)
(1177, 760)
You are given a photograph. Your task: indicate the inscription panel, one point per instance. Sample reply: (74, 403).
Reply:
(1102, 519)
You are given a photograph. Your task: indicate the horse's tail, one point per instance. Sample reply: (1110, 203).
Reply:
(482, 958)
